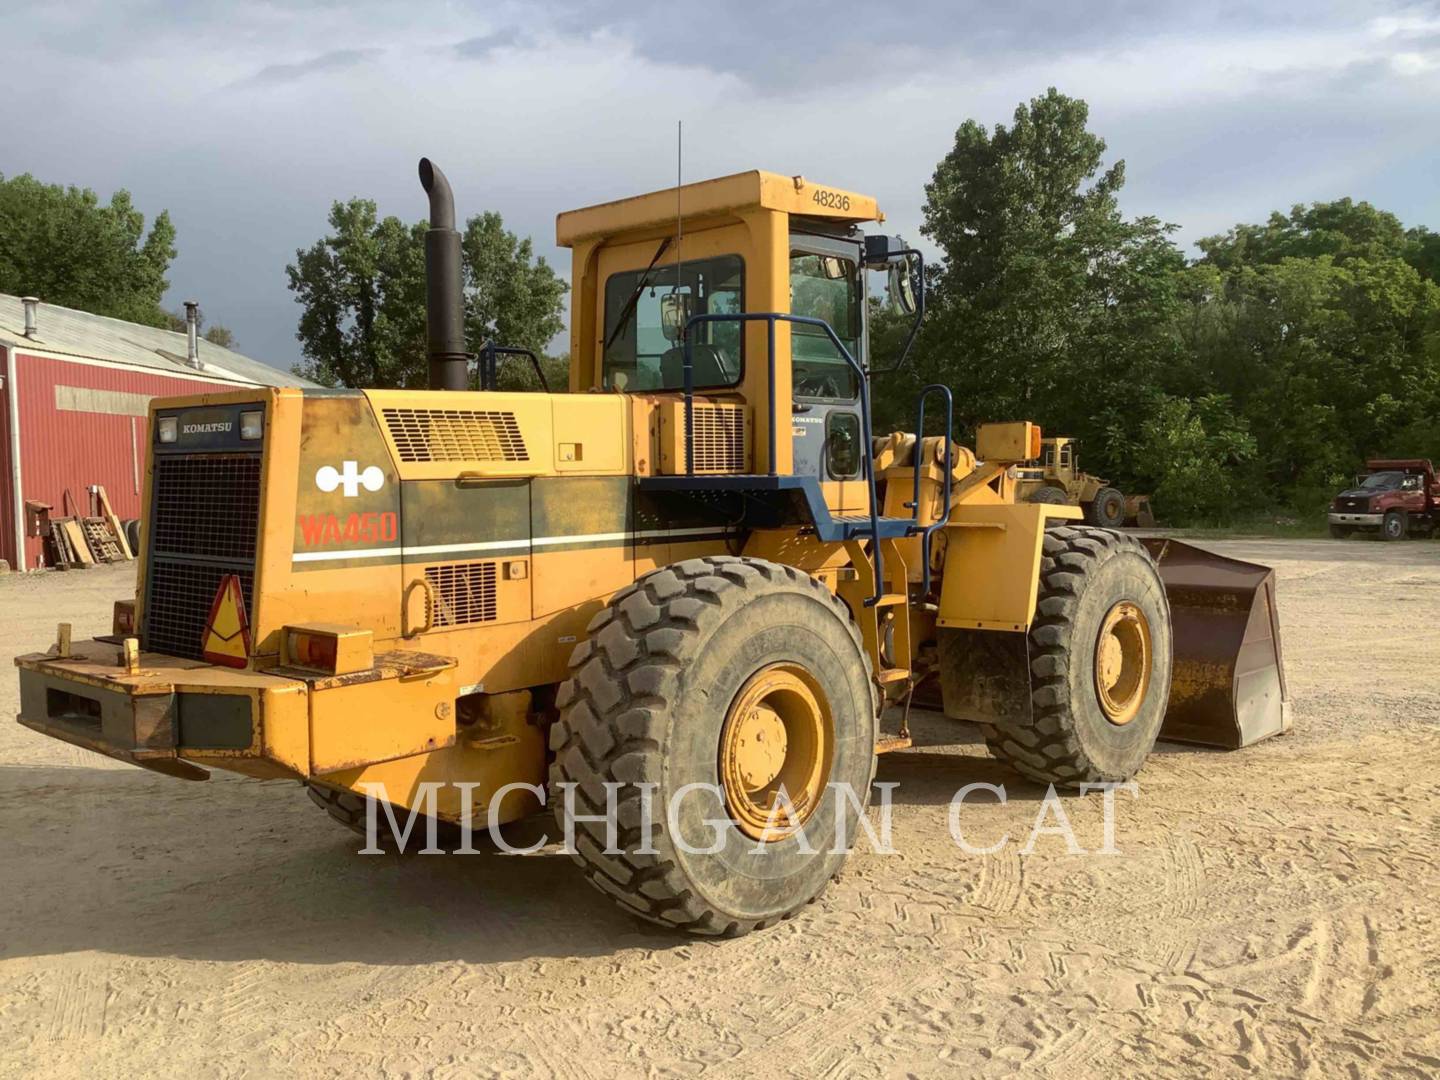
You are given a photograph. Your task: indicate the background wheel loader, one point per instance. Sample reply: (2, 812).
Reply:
(689, 575)
(1057, 479)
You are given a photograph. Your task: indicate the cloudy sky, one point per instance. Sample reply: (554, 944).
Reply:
(247, 120)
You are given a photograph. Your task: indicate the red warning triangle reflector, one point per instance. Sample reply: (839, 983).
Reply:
(227, 631)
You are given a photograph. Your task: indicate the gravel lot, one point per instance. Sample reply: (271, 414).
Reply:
(1271, 911)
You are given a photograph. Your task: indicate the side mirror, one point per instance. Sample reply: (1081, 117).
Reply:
(900, 285)
(675, 311)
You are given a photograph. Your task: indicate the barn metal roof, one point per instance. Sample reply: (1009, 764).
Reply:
(69, 332)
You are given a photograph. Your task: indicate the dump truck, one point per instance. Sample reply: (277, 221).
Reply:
(690, 594)
(1395, 498)
(1055, 477)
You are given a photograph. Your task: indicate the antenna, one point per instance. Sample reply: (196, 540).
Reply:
(679, 180)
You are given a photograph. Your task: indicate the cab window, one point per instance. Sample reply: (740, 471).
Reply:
(645, 316)
(824, 287)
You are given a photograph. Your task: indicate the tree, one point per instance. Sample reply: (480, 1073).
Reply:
(1048, 304)
(362, 288)
(1323, 327)
(62, 245)
(214, 333)
(220, 335)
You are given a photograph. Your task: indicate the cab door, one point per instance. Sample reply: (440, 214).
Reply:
(826, 283)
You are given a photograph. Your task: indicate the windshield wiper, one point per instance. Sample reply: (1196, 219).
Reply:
(629, 308)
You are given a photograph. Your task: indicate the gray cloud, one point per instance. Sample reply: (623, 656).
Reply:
(246, 122)
(338, 60)
(477, 48)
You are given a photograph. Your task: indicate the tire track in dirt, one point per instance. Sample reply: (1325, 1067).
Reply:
(77, 1011)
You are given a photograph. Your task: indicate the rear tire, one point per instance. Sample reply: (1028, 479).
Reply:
(1078, 733)
(1108, 509)
(650, 700)
(1395, 526)
(348, 809)
(1049, 494)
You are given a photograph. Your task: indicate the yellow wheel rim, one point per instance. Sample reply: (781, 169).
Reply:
(1122, 662)
(777, 735)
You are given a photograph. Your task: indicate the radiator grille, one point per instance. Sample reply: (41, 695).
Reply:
(464, 593)
(204, 521)
(455, 435)
(207, 505)
(181, 594)
(720, 439)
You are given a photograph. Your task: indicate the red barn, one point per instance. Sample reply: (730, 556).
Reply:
(76, 390)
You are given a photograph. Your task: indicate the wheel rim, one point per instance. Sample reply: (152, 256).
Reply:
(777, 734)
(1122, 662)
(1392, 527)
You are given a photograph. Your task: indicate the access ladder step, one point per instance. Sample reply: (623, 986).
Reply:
(891, 599)
(893, 675)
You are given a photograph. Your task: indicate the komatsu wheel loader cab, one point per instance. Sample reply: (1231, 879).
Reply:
(679, 595)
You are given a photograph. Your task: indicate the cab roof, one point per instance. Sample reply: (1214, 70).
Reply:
(725, 195)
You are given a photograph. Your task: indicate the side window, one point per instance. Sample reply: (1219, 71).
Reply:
(842, 445)
(824, 287)
(644, 350)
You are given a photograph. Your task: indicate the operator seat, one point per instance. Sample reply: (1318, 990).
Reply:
(712, 367)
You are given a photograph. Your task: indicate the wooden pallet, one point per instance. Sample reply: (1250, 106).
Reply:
(114, 522)
(103, 545)
(71, 549)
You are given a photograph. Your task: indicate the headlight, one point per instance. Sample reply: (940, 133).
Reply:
(252, 424)
(169, 428)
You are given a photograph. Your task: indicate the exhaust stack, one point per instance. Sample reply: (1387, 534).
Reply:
(192, 335)
(31, 304)
(444, 304)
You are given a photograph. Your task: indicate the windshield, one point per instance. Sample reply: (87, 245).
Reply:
(1382, 481)
(644, 353)
(824, 287)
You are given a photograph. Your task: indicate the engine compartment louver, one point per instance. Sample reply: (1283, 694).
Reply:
(455, 435)
(464, 593)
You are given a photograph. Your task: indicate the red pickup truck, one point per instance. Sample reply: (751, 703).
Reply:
(1396, 497)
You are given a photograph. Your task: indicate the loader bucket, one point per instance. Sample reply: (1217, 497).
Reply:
(1228, 687)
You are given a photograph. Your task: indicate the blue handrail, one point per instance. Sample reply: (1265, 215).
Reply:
(926, 531)
(770, 318)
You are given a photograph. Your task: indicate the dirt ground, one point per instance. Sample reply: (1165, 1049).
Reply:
(1271, 911)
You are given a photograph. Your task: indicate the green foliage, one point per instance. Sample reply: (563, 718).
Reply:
(214, 333)
(1257, 377)
(362, 288)
(1188, 455)
(62, 245)
(220, 335)
(1049, 304)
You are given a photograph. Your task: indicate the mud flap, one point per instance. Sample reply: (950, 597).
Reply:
(985, 675)
(1228, 687)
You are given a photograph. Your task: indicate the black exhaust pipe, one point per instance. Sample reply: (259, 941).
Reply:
(444, 303)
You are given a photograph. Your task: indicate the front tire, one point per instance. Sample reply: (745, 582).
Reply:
(1108, 509)
(1100, 661)
(670, 668)
(1395, 526)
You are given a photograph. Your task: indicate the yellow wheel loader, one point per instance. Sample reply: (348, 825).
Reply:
(1056, 478)
(682, 593)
